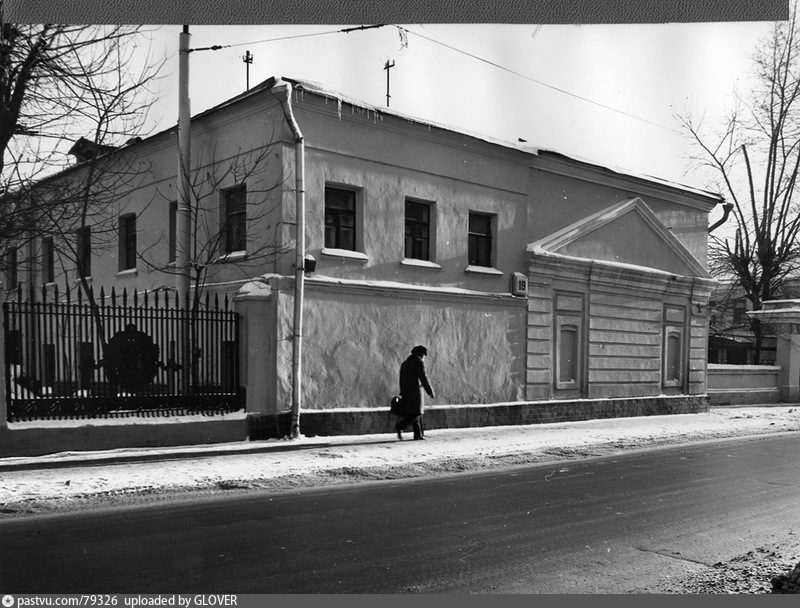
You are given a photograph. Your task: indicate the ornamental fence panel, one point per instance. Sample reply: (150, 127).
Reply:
(71, 355)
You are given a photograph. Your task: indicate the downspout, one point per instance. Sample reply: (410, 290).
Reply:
(283, 91)
(726, 211)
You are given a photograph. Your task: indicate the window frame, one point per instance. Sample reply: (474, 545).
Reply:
(48, 263)
(233, 242)
(12, 267)
(83, 259)
(339, 213)
(127, 242)
(569, 309)
(674, 328)
(411, 228)
(475, 239)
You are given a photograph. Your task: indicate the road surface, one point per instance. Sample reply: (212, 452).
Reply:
(606, 525)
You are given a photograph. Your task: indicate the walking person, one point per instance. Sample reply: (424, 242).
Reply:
(413, 379)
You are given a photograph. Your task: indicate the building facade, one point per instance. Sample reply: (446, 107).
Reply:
(530, 276)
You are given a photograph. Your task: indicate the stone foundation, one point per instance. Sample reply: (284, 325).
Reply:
(376, 421)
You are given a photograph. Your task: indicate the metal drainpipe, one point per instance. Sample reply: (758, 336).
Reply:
(726, 211)
(283, 91)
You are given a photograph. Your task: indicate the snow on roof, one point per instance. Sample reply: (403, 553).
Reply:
(319, 89)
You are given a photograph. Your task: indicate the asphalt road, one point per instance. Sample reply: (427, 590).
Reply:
(607, 525)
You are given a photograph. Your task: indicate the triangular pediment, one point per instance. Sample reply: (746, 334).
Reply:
(627, 233)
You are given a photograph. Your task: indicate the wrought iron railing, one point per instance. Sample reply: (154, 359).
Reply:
(71, 355)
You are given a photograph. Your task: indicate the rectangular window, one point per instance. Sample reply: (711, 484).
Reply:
(568, 359)
(48, 260)
(480, 239)
(127, 242)
(11, 268)
(83, 261)
(418, 228)
(340, 218)
(173, 231)
(234, 219)
(739, 311)
(674, 346)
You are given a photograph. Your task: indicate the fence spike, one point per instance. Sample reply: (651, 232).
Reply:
(124, 296)
(146, 291)
(44, 293)
(102, 297)
(135, 297)
(55, 293)
(113, 297)
(19, 292)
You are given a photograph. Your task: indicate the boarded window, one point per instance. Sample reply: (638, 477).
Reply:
(674, 357)
(568, 372)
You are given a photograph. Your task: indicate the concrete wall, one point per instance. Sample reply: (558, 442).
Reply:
(53, 436)
(743, 384)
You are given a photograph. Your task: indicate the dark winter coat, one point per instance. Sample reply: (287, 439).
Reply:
(413, 379)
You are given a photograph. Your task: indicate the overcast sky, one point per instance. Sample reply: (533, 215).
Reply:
(604, 93)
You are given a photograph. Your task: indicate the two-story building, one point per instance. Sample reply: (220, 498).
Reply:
(531, 277)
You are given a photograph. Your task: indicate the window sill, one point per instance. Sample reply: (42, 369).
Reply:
(233, 256)
(130, 272)
(420, 263)
(345, 253)
(484, 270)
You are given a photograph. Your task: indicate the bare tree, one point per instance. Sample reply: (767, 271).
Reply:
(756, 158)
(248, 174)
(60, 84)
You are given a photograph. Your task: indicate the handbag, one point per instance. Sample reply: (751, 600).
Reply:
(396, 406)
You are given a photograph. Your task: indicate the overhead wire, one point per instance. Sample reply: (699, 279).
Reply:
(534, 80)
(404, 34)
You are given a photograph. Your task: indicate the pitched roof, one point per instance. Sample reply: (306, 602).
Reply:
(625, 234)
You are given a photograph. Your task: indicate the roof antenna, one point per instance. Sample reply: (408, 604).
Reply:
(248, 59)
(389, 65)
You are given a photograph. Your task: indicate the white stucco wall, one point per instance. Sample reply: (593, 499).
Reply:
(356, 336)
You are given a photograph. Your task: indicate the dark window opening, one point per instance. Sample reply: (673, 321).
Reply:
(417, 234)
(234, 218)
(127, 242)
(480, 240)
(340, 218)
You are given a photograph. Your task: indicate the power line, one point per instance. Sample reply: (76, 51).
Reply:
(534, 80)
(346, 30)
(406, 31)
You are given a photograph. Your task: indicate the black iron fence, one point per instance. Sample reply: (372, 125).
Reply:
(69, 355)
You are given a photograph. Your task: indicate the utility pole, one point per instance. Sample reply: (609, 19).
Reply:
(183, 222)
(389, 65)
(248, 59)
(183, 234)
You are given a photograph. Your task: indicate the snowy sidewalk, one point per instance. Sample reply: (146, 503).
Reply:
(78, 479)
